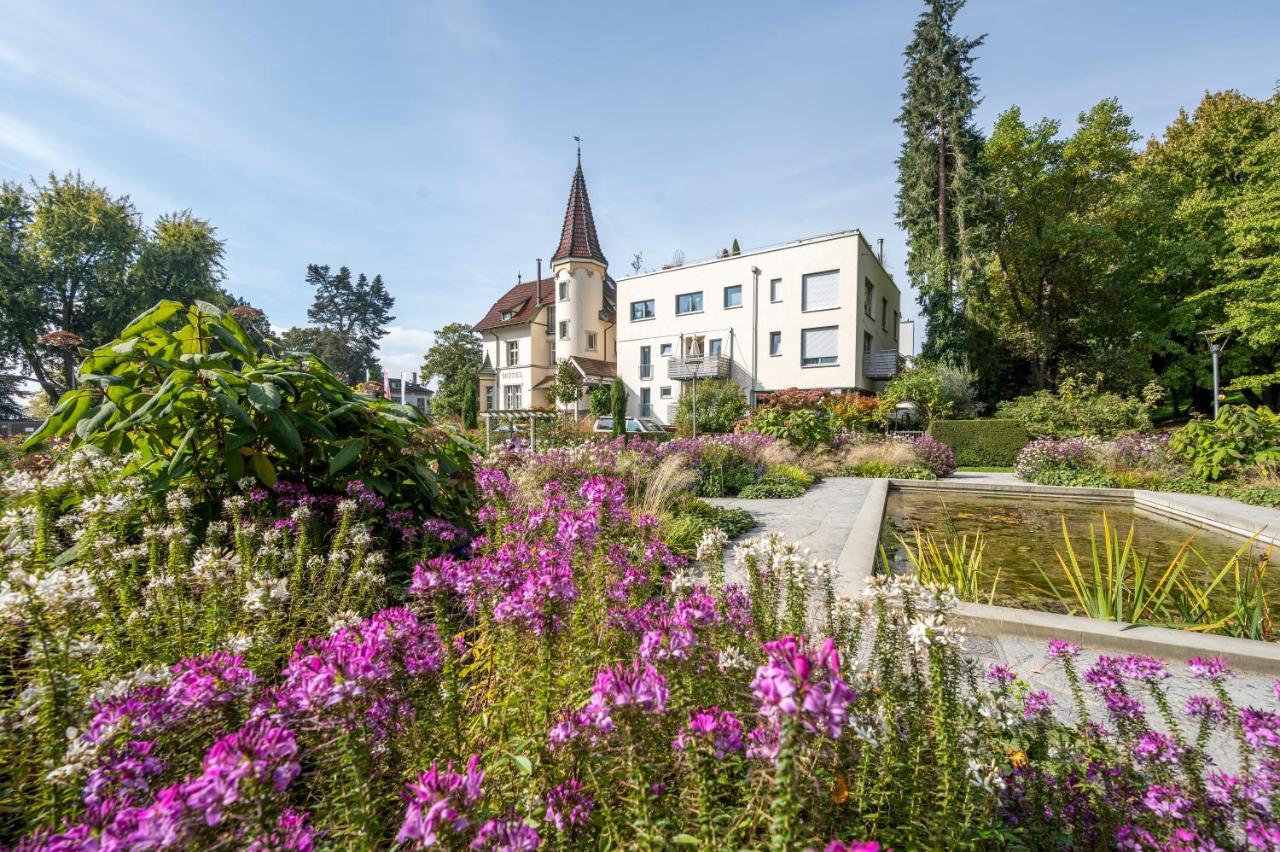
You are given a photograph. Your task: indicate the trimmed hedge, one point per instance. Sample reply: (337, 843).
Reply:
(992, 442)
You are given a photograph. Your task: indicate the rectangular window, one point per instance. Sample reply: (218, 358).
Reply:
(664, 392)
(564, 290)
(488, 397)
(508, 314)
(564, 329)
(867, 290)
(896, 322)
(551, 319)
(884, 314)
(664, 349)
(867, 343)
(775, 343)
(646, 402)
(819, 346)
(733, 296)
(689, 303)
(642, 310)
(513, 352)
(775, 290)
(646, 363)
(512, 397)
(713, 348)
(820, 291)
(591, 341)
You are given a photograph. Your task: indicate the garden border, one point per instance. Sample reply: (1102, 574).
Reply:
(858, 558)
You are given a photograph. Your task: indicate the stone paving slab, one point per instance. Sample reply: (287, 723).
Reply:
(820, 519)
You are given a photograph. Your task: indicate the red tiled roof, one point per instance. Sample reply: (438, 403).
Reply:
(594, 368)
(578, 238)
(520, 299)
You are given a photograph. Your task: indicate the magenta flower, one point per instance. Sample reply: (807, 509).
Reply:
(568, 805)
(853, 846)
(1105, 674)
(508, 835)
(259, 756)
(1213, 668)
(1207, 708)
(217, 678)
(1144, 668)
(1155, 747)
(439, 802)
(1038, 704)
(1262, 833)
(717, 728)
(293, 832)
(1261, 727)
(803, 682)
(1166, 801)
(638, 684)
(999, 673)
(1060, 648)
(1123, 707)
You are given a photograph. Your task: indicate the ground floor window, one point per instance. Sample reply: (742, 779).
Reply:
(646, 402)
(819, 346)
(488, 397)
(512, 397)
(664, 392)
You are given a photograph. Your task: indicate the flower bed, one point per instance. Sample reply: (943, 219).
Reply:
(561, 679)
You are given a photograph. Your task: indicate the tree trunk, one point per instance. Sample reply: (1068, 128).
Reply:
(942, 192)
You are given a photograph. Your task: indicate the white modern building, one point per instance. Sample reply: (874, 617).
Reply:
(819, 312)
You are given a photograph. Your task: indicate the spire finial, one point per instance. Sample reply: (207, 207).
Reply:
(578, 139)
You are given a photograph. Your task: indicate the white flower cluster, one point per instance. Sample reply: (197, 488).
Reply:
(732, 658)
(711, 545)
(265, 594)
(933, 630)
(57, 591)
(984, 777)
(778, 556)
(211, 565)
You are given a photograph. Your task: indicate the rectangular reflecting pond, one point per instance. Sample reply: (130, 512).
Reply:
(1023, 532)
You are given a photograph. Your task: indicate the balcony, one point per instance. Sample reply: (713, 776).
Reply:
(881, 364)
(704, 367)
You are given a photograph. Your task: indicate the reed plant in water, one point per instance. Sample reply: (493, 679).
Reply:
(956, 562)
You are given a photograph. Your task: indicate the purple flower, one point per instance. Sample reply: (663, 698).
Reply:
(1105, 674)
(509, 835)
(438, 803)
(1213, 668)
(1206, 708)
(259, 755)
(999, 673)
(1038, 703)
(1166, 801)
(1155, 747)
(568, 805)
(1144, 668)
(293, 832)
(638, 684)
(1123, 707)
(853, 846)
(124, 769)
(804, 682)
(1261, 727)
(1262, 833)
(218, 678)
(1061, 648)
(719, 728)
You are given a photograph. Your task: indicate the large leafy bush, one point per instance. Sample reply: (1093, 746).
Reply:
(1239, 440)
(802, 428)
(193, 401)
(1081, 408)
(720, 405)
(922, 387)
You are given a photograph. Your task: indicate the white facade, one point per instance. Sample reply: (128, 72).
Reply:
(816, 313)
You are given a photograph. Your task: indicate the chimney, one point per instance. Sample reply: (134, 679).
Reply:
(880, 250)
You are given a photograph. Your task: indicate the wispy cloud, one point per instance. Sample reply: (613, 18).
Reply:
(402, 349)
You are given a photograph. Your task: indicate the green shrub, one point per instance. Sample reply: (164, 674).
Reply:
(791, 473)
(1080, 408)
(187, 394)
(982, 443)
(770, 489)
(802, 428)
(1239, 440)
(599, 400)
(922, 386)
(887, 470)
(1070, 478)
(720, 405)
(683, 526)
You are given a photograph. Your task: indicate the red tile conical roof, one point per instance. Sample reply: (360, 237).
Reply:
(578, 238)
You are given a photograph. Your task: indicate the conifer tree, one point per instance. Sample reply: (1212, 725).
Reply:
(939, 184)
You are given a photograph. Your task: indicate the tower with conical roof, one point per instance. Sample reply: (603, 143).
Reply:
(584, 304)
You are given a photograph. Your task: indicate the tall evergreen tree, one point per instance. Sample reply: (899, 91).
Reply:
(939, 183)
(350, 318)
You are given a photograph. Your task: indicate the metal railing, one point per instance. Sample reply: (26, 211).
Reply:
(700, 367)
(881, 364)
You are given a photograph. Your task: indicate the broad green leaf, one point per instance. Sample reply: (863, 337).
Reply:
(151, 318)
(229, 340)
(228, 407)
(283, 435)
(684, 840)
(345, 456)
(264, 396)
(94, 418)
(523, 764)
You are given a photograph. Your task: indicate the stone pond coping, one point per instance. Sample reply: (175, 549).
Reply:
(858, 559)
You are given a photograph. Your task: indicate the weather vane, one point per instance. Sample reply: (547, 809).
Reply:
(578, 139)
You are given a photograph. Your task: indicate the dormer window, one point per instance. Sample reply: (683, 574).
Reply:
(508, 314)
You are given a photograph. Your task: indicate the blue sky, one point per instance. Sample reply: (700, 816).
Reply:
(431, 142)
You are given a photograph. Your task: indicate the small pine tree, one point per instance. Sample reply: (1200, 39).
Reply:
(470, 406)
(618, 406)
(735, 250)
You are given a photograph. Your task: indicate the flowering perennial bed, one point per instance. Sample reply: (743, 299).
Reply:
(247, 678)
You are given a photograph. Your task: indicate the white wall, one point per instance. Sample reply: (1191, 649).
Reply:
(846, 252)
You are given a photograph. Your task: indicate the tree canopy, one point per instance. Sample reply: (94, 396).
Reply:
(350, 316)
(454, 360)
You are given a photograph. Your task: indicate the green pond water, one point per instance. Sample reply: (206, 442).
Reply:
(1021, 533)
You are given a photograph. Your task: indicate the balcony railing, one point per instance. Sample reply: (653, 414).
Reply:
(881, 364)
(704, 367)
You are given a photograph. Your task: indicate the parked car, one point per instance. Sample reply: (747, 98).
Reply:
(635, 425)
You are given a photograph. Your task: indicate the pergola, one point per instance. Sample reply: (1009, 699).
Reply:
(511, 415)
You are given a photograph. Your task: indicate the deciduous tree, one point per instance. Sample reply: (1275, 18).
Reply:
(454, 359)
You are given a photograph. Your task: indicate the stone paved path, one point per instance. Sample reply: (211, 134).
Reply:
(820, 519)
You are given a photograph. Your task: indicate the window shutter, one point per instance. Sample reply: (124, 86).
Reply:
(821, 290)
(821, 342)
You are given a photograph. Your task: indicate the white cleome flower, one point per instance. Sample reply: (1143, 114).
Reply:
(711, 545)
(265, 594)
